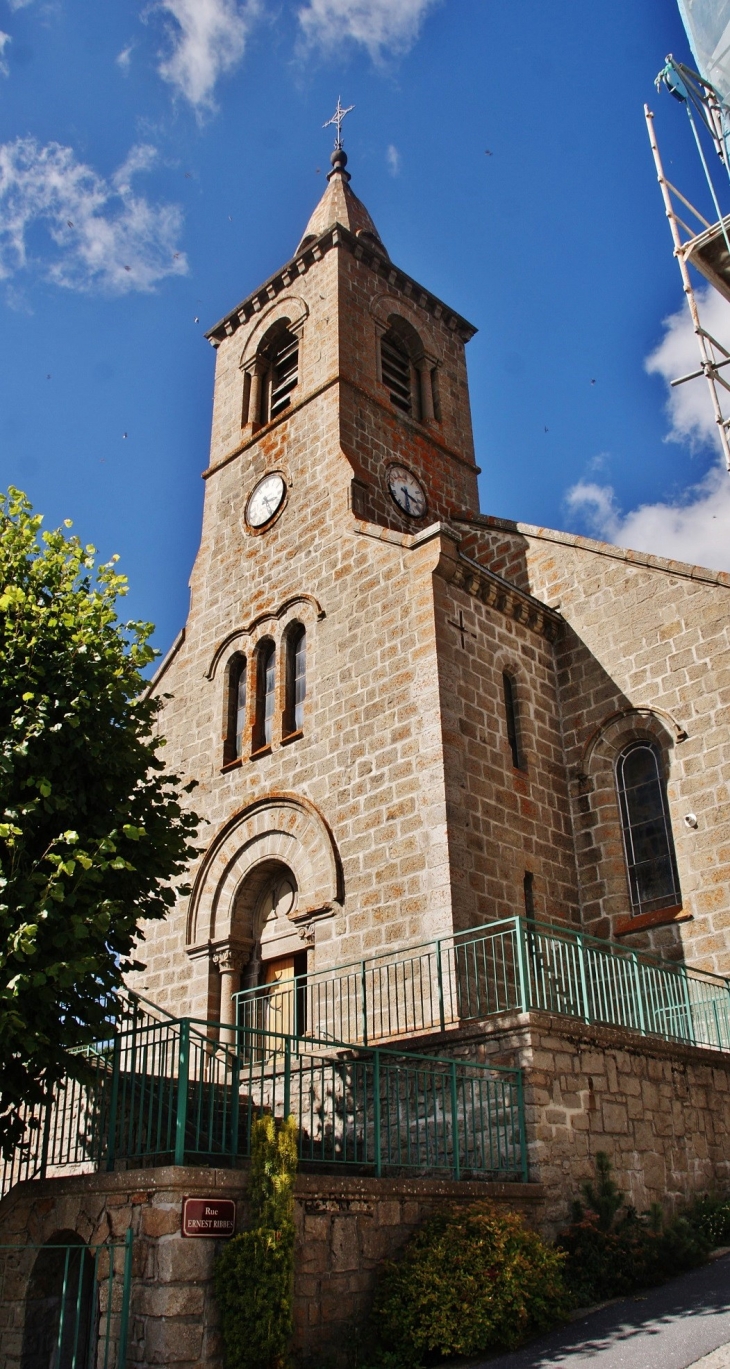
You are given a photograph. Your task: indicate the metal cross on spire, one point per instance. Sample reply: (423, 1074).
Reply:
(336, 119)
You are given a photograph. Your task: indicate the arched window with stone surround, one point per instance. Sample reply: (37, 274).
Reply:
(406, 372)
(274, 375)
(651, 863)
(296, 678)
(235, 708)
(265, 693)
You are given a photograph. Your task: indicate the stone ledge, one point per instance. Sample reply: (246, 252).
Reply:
(572, 1028)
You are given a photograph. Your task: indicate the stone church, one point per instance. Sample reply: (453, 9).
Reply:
(416, 729)
(406, 718)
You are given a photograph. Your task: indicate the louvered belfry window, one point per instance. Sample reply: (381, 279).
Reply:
(395, 365)
(284, 375)
(648, 842)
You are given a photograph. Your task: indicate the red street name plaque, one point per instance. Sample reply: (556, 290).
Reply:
(208, 1217)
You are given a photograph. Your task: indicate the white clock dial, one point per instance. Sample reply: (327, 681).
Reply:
(407, 492)
(265, 500)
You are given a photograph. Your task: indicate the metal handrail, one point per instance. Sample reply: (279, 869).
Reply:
(515, 964)
(172, 1094)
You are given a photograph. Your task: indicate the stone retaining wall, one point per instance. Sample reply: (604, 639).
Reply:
(660, 1110)
(345, 1226)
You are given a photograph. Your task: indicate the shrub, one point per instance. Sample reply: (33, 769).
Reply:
(613, 1250)
(710, 1216)
(469, 1280)
(254, 1274)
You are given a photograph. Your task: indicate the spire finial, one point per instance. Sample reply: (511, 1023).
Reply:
(336, 119)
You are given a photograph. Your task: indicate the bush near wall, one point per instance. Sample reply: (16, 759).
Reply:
(254, 1275)
(612, 1250)
(468, 1281)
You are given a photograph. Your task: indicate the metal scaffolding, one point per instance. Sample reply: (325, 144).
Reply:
(709, 252)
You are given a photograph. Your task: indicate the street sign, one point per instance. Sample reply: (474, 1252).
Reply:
(208, 1217)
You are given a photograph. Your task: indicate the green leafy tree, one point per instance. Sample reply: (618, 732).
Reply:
(93, 830)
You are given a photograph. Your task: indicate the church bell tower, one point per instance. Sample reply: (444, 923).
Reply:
(305, 692)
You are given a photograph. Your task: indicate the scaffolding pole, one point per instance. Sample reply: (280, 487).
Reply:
(708, 345)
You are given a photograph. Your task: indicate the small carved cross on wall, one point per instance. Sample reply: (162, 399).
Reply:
(462, 628)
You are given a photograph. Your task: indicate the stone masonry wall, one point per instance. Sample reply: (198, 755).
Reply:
(645, 653)
(502, 821)
(660, 1110)
(345, 1227)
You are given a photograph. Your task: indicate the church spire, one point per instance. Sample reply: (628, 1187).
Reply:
(338, 203)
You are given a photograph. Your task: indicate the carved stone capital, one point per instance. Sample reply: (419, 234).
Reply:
(231, 957)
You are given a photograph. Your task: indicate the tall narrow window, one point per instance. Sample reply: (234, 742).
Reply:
(296, 678)
(265, 694)
(284, 374)
(395, 365)
(512, 719)
(528, 890)
(648, 842)
(235, 708)
(240, 709)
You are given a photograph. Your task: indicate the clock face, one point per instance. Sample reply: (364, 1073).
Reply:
(265, 500)
(407, 492)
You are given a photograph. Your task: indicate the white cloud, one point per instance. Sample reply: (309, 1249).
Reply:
(392, 157)
(19, 4)
(696, 528)
(124, 58)
(383, 27)
(689, 406)
(105, 237)
(208, 38)
(4, 40)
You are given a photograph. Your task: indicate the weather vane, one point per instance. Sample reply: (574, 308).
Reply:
(336, 119)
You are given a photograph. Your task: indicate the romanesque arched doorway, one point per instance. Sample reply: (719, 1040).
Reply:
(267, 881)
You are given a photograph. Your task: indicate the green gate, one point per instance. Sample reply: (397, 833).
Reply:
(66, 1304)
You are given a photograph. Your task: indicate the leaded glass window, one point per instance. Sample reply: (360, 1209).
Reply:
(299, 646)
(648, 843)
(268, 668)
(240, 697)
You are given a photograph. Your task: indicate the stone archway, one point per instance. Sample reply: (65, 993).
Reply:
(59, 1305)
(282, 838)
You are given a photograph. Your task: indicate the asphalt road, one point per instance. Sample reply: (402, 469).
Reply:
(671, 1327)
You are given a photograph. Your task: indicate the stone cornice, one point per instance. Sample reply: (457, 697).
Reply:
(506, 598)
(336, 236)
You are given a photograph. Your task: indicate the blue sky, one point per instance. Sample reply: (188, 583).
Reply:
(160, 158)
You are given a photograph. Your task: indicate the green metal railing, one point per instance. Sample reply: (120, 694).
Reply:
(66, 1305)
(178, 1096)
(168, 1092)
(517, 964)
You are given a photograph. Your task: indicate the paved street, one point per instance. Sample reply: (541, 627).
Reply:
(671, 1327)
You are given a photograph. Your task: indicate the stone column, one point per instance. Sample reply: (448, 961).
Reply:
(230, 959)
(260, 370)
(424, 366)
